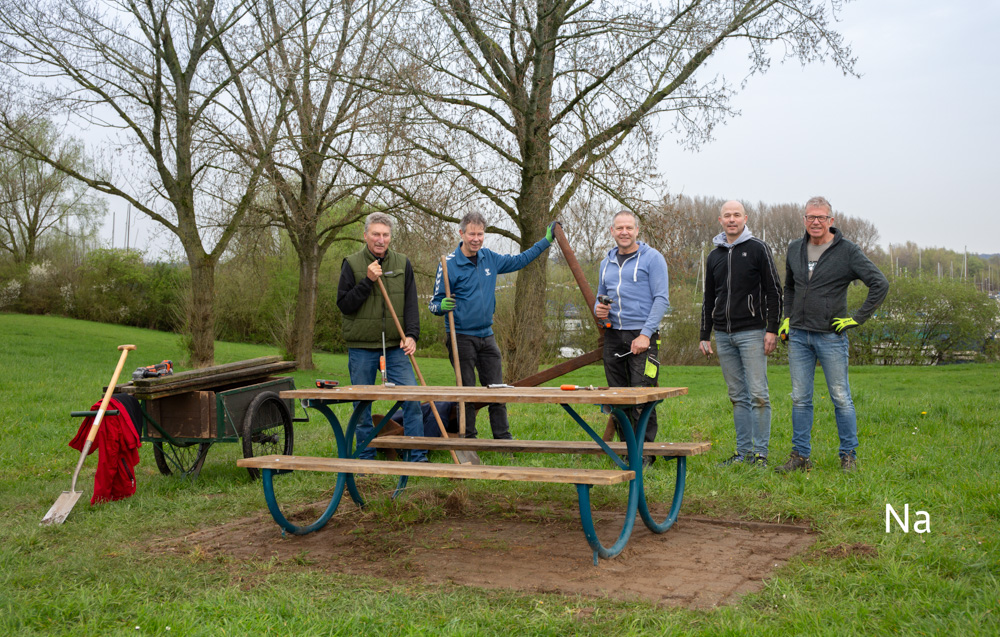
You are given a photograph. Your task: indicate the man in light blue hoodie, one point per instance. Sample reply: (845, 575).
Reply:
(634, 276)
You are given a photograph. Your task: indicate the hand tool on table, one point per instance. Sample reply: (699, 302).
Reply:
(576, 387)
(413, 361)
(65, 502)
(470, 456)
(327, 384)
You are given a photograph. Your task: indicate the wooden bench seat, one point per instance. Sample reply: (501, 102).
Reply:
(440, 470)
(668, 449)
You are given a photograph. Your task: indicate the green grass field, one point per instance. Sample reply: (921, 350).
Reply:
(928, 439)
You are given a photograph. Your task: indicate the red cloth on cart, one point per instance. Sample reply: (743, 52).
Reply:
(119, 445)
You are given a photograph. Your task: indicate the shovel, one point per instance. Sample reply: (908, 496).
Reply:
(64, 504)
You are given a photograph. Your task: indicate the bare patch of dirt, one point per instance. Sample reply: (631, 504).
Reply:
(699, 563)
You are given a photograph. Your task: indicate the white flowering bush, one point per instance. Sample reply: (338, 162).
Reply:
(9, 293)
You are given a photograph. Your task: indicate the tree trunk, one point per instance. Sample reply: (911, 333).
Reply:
(524, 349)
(300, 340)
(201, 313)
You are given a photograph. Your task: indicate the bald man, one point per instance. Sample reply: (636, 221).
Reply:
(743, 304)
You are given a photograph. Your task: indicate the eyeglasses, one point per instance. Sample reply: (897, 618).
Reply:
(815, 218)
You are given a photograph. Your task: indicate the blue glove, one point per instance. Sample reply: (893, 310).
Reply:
(447, 304)
(840, 325)
(550, 233)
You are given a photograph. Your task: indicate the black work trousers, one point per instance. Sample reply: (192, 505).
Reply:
(623, 369)
(482, 355)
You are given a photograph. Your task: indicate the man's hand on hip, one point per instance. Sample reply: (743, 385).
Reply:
(841, 325)
(408, 345)
(705, 347)
(770, 342)
(640, 344)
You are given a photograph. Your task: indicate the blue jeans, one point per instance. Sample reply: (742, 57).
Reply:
(744, 366)
(363, 365)
(830, 349)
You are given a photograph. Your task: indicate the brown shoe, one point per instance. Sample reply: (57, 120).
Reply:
(848, 463)
(795, 463)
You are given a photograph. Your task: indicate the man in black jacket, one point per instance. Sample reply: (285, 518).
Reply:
(818, 269)
(743, 303)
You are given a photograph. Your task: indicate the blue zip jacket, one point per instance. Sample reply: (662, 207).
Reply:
(639, 289)
(474, 286)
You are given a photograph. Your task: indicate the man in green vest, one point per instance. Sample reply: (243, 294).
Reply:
(369, 328)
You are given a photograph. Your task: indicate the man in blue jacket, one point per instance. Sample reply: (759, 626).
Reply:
(634, 276)
(472, 278)
(742, 303)
(818, 269)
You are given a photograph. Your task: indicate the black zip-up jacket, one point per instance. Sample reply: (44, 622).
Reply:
(742, 289)
(812, 303)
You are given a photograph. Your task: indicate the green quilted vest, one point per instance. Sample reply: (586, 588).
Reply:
(364, 329)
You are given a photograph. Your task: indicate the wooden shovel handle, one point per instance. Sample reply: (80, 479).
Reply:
(454, 346)
(124, 349)
(413, 361)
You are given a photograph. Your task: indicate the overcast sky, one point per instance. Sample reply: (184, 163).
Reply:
(910, 145)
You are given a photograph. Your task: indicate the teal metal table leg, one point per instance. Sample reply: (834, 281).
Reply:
(344, 441)
(279, 517)
(675, 506)
(586, 518)
(583, 490)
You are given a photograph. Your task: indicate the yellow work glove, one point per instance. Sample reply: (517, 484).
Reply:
(842, 324)
(783, 330)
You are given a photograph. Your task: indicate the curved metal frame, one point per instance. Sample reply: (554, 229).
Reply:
(344, 480)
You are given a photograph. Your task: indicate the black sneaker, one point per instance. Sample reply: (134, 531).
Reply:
(759, 460)
(848, 463)
(737, 458)
(795, 463)
(647, 461)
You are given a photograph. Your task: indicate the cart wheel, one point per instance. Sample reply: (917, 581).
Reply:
(187, 459)
(267, 429)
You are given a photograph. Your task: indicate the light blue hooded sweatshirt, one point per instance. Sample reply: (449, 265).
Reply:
(639, 289)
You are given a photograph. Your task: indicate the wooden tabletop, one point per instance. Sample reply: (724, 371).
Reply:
(549, 395)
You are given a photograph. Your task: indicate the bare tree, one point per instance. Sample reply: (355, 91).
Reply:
(519, 103)
(860, 231)
(36, 200)
(306, 88)
(586, 222)
(149, 76)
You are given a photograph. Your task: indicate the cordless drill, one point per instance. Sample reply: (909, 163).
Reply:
(604, 299)
(154, 371)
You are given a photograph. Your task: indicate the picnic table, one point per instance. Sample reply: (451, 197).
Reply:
(630, 469)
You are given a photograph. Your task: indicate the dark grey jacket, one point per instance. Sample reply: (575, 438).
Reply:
(812, 304)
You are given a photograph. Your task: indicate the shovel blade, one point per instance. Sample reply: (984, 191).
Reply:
(61, 509)
(468, 457)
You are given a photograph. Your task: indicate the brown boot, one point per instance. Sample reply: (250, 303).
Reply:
(795, 463)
